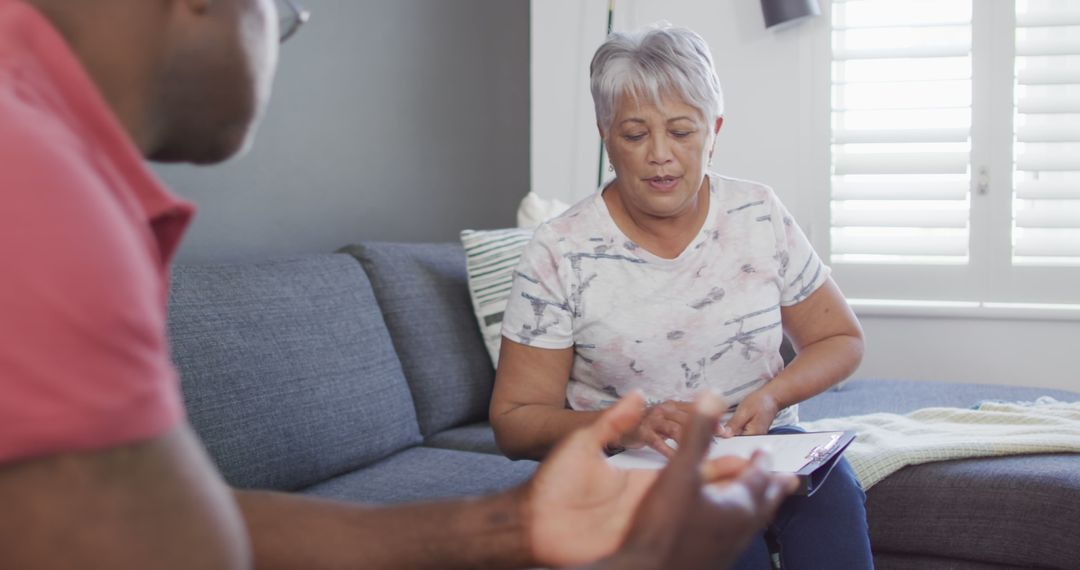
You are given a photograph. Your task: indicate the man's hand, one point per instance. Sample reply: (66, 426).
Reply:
(578, 508)
(664, 421)
(753, 416)
(685, 522)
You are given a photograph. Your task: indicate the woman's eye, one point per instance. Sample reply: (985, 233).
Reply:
(635, 138)
(680, 134)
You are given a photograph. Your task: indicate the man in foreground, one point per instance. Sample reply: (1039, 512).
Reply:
(99, 468)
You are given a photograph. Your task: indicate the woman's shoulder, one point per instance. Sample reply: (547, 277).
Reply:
(577, 222)
(729, 189)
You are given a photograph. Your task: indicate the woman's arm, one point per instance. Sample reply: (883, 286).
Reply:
(528, 406)
(829, 342)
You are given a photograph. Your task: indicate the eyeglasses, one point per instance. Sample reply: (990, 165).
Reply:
(290, 17)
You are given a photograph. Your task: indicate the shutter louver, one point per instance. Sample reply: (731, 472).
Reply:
(901, 124)
(1046, 168)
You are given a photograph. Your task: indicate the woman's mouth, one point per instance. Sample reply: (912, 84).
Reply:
(663, 182)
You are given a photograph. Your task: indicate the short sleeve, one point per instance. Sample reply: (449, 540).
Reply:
(801, 270)
(538, 311)
(84, 361)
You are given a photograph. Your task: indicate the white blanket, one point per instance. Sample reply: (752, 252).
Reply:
(886, 443)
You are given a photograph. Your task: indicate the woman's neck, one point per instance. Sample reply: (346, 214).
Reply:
(663, 236)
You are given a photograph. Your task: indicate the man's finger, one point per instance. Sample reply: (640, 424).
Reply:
(698, 434)
(723, 468)
(768, 488)
(618, 419)
(781, 485)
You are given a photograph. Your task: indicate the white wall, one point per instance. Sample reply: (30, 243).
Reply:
(775, 132)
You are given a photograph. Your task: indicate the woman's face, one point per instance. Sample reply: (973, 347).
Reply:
(660, 154)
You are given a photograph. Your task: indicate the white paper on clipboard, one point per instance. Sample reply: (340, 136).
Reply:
(791, 451)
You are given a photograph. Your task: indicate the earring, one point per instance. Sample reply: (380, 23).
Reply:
(610, 167)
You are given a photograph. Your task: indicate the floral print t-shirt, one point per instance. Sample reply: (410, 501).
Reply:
(710, 318)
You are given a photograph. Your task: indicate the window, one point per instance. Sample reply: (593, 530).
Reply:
(955, 150)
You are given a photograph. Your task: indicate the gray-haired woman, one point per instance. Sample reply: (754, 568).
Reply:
(673, 280)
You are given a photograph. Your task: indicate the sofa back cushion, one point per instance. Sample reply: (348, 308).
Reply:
(288, 371)
(424, 295)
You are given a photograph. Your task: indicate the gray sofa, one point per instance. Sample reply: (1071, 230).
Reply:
(369, 382)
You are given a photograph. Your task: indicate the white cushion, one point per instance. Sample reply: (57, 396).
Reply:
(535, 210)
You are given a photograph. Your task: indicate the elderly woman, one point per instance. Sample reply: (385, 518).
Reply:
(673, 280)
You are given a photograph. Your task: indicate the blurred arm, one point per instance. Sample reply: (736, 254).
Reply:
(152, 504)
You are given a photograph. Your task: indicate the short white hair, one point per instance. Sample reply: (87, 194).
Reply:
(651, 63)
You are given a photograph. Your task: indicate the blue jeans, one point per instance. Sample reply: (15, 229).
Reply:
(822, 532)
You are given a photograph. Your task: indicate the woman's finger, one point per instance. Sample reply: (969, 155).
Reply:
(679, 415)
(658, 443)
(738, 421)
(669, 429)
(758, 426)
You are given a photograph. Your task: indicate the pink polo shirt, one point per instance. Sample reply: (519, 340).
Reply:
(86, 234)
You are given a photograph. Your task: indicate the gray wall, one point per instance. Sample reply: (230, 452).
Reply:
(404, 120)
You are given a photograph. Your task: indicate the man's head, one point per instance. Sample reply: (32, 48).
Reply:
(189, 79)
(214, 77)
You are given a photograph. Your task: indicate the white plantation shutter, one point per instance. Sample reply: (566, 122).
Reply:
(901, 131)
(1046, 125)
(955, 150)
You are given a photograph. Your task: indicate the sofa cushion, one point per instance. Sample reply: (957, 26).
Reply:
(856, 397)
(423, 474)
(287, 369)
(888, 561)
(1001, 510)
(477, 437)
(425, 300)
(996, 510)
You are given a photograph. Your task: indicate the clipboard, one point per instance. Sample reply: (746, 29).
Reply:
(810, 456)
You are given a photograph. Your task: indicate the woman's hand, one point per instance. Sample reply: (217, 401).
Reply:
(667, 420)
(753, 416)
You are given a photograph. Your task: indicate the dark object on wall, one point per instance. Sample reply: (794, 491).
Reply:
(782, 11)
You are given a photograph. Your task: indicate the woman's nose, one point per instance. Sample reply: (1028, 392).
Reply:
(659, 151)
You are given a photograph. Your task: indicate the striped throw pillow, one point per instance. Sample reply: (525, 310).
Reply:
(491, 257)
